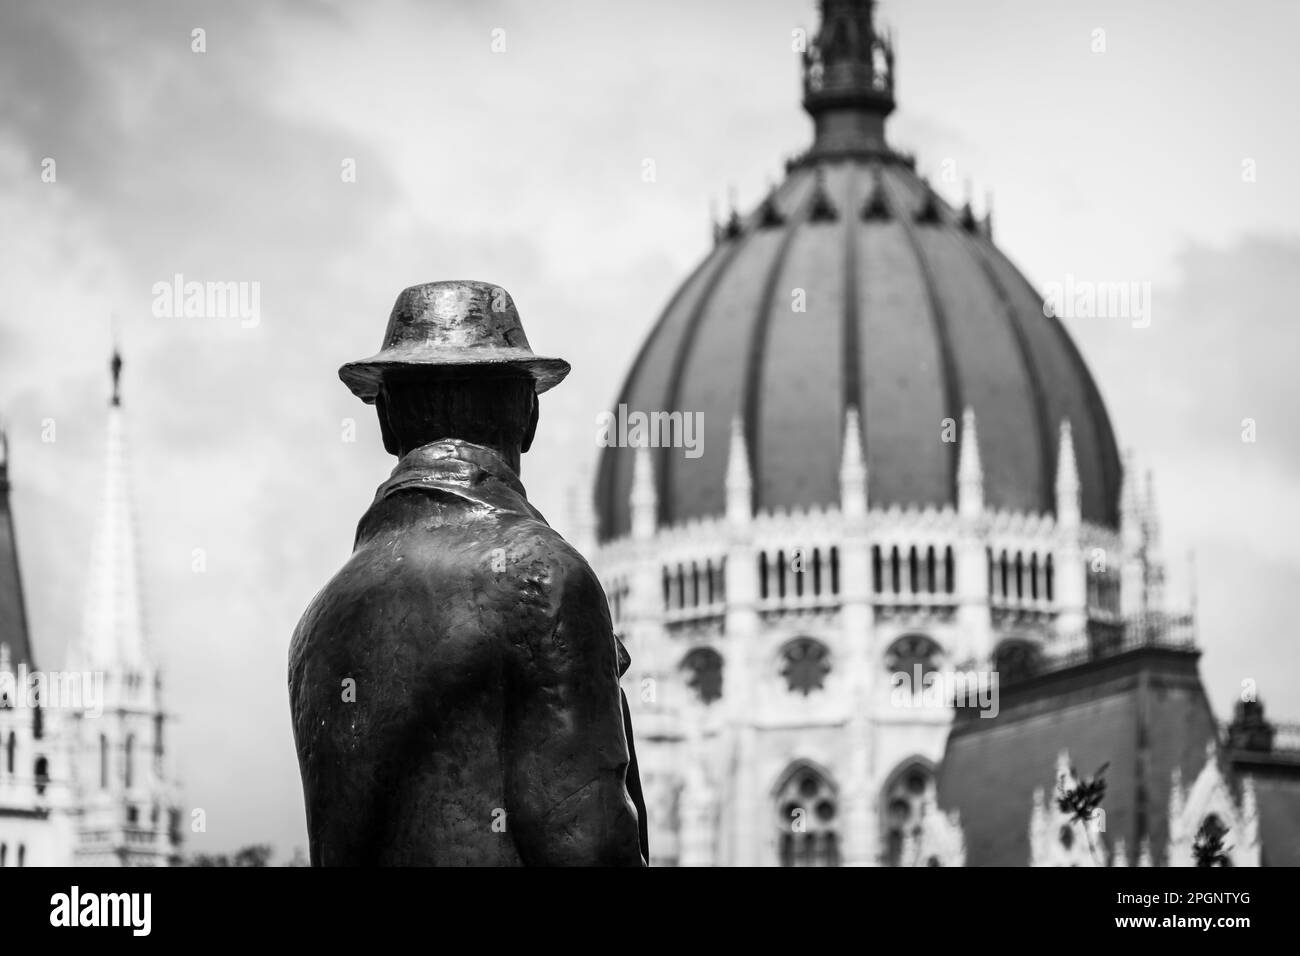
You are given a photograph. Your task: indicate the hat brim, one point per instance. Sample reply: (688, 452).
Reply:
(365, 377)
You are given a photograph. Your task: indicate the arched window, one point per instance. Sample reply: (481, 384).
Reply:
(894, 570)
(989, 553)
(798, 568)
(804, 665)
(949, 582)
(10, 748)
(780, 574)
(695, 584)
(103, 762)
(762, 575)
(835, 570)
(720, 590)
(668, 590)
(703, 667)
(708, 578)
(681, 587)
(911, 650)
(42, 773)
(906, 794)
(22, 854)
(130, 761)
(1049, 574)
(807, 816)
(913, 572)
(1004, 574)
(930, 569)
(817, 572)
(1033, 575)
(1020, 576)
(877, 570)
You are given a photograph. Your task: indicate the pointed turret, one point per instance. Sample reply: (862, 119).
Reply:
(740, 486)
(853, 468)
(113, 634)
(1067, 481)
(970, 473)
(13, 611)
(644, 500)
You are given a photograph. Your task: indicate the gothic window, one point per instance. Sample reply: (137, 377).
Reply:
(667, 590)
(798, 566)
(1016, 659)
(1020, 576)
(1048, 574)
(817, 571)
(1005, 570)
(805, 664)
(835, 570)
(708, 581)
(762, 575)
(9, 752)
(910, 650)
(130, 761)
(780, 574)
(681, 586)
(895, 579)
(905, 797)
(807, 809)
(913, 572)
(877, 570)
(703, 667)
(930, 569)
(695, 584)
(38, 722)
(42, 774)
(22, 854)
(948, 578)
(1033, 576)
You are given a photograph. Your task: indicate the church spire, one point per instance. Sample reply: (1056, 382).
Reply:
(113, 634)
(15, 643)
(849, 80)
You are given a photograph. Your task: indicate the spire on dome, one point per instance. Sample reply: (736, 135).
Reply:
(853, 468)
(113, 632)
(740, 485)
(970, 473)
(848, 79)
(1067, 480)
(645, 500)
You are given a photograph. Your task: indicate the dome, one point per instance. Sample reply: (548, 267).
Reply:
(910, 314)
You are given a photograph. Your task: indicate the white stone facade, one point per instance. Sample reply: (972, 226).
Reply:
(809, 755)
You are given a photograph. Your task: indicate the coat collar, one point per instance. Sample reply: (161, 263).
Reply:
(453, 464)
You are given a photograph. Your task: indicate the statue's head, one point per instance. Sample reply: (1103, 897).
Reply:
(455, 363)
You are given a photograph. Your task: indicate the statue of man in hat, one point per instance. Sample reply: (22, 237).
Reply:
(454, 687)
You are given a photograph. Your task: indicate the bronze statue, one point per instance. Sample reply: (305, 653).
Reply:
(454, 687)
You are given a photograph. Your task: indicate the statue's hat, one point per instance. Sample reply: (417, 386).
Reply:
(443, 325)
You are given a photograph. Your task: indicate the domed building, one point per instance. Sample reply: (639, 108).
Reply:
(906, 473)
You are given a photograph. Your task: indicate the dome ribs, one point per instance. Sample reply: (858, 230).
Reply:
(852, 380)
(612, 502)
(672, 398)
(1047, 437)
(752, 393)
(1098, 421)
(953, 403)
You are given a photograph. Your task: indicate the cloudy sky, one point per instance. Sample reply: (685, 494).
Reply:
(523, 167)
